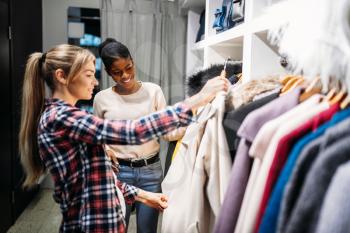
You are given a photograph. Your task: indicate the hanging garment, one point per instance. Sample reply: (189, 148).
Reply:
(242, 162)
(265, 134)
(201, 30)
(308, 205)
(269, 221)
(263, 146)
(245, 93)
(299, 162)
(196, 82)
(198, 178)
(282, 151)
(233, 120)
(179, 175)
(334, 216)
(262, 95)
(267, 159)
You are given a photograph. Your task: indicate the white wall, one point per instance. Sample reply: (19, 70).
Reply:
(55, 19)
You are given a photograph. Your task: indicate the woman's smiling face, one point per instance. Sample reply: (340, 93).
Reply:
(81, 87)
(123, 73)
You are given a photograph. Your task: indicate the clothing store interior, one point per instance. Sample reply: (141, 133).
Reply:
(174, 116)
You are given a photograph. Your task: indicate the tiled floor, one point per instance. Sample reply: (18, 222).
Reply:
(43, 216)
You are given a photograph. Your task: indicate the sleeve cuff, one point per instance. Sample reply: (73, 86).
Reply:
(184, 113)
(129, 192)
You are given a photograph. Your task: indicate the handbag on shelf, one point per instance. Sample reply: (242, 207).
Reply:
(236, 13)
(230, 14)
(220, 15)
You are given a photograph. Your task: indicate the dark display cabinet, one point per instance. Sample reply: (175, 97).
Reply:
(20, 35)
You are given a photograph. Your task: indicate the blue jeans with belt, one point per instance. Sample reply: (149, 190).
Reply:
(148, 178)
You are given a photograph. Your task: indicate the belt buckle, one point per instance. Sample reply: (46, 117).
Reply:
(135, 161)
(131, 162)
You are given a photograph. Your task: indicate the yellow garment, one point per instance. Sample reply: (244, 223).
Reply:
(176, 149)
(178, 143)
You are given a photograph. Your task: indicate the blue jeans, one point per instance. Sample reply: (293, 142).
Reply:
(148, 178)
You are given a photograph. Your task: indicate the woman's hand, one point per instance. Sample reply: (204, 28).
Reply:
(155, 200)
(110, 154)
(114, 160)
(208, 92)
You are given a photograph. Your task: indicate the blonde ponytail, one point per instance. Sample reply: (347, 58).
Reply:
(39, 71)
(33, 98)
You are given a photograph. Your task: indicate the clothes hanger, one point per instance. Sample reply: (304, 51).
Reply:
(345, 103)
(226, 61)
(298, 82)
(331, 94)
(290, 84)
(339, 96)
(343, 100)
(332, 87)
(311, 89)
(239, 76)
(223, 72)
(285, 79)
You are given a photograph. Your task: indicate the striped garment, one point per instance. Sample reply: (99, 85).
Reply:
(70, 146)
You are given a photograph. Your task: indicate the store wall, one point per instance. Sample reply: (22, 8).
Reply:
(55, 19)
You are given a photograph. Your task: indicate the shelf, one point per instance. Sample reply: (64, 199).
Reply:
(234, 36)
(199, 45)
(263, 23)
(231, 37)
(248, 41)
(190, 4)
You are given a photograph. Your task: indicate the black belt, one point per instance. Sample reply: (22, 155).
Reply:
(139, 162)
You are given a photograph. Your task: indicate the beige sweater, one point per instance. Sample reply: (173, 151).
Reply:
(148, 99)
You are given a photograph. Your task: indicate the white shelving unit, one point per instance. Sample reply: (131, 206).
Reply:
(246, 42)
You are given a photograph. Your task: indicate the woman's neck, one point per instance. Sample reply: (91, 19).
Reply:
(122, 91)
(63, 96)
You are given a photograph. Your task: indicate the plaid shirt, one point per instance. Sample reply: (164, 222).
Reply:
(71, 147)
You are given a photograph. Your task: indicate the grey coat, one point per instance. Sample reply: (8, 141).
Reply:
(303, 165)
(242, 162)
(305, 215)
(335, 211)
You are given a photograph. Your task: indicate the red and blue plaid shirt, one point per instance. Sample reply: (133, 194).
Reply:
(70, 145)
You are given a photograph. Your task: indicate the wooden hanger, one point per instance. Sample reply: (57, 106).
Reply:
(299, 82)
(285, 79)
(290, 84)
(311, 89)
(339, 96)
(345, 103)
(331, 94)
(333, 86)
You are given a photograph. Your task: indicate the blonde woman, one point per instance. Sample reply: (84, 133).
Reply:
(67, 141)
